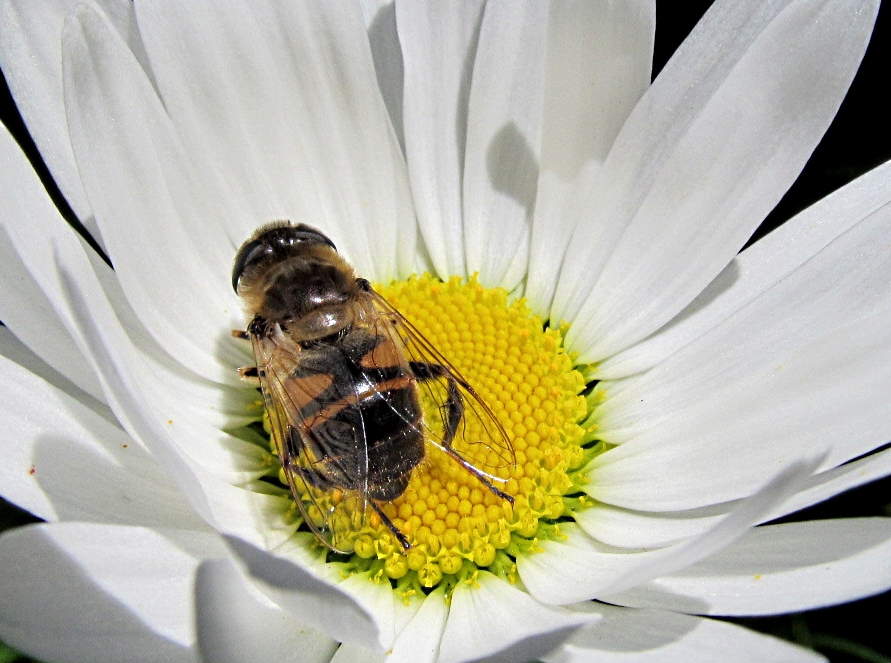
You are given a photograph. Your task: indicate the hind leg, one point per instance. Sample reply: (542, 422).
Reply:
(452, 418)
(403, 540)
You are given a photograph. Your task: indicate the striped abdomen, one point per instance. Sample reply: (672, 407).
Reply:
(360, 417)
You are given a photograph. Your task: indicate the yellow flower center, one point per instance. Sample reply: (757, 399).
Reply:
(455, 525)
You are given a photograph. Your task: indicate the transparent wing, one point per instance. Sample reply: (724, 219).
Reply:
(339, 411)
(299, 400)
(457, 420)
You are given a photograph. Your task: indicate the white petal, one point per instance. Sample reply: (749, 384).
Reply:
(777, 569)
(759, 422)
(31, 60)
(597, 65)
(242, 512)
(37, 312)
(209, 402)
(184, 324)
(833, 312)
(491, 616)
(282, 103)
(100, 593)
(313, 596)
(837, 480)
(147, 199)
(380, 21)
(46, 243)
(24, 306)
(438, 47)
(378, 599)
(30, 306)
(653, 636)
(18, 470)
(582, 568)
(355, 654)
(705, 155)
(628, 528)
(14, 350)
(133, 392)
(237, 624)
(63, 461)
(758, 268)
(42, 320)
(503, 141)
(418, 638)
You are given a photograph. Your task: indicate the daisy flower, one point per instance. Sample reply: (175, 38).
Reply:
(567, 235)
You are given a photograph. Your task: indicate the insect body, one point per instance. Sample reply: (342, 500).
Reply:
(341, 373)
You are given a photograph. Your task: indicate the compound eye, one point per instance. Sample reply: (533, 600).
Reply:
(279, 238)
(249, 254)
(305, 233)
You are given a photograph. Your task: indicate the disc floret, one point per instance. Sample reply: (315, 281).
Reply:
(517, 365)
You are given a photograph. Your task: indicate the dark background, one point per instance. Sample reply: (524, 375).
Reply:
(858, 140)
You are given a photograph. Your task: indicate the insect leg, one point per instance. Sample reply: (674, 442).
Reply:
(312, 478)
(247, 373)
(403, 541)
(250, 374)
(454, 414)
(321, 482)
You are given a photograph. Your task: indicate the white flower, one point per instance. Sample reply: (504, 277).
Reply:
(522, 142)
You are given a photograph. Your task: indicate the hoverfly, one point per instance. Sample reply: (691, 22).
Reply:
(343, 376)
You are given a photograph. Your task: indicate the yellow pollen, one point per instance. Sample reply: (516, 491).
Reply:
(454, 523)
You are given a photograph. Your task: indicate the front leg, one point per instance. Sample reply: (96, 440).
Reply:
(249, 374)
